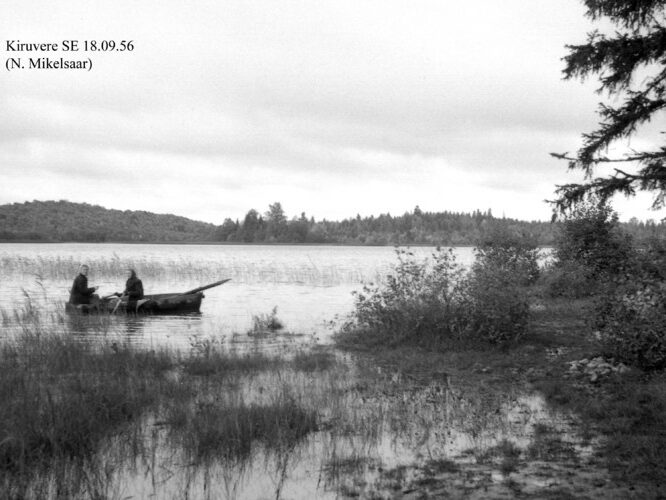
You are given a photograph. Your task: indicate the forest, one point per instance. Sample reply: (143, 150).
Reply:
(64, 221)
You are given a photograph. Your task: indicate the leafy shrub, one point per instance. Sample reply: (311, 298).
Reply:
(511, 250)
(590, 236)
(419, 300)
(632, 317)
(568, 279)
(436, 300)
(634, 325)
(498, 303)
(507, 262)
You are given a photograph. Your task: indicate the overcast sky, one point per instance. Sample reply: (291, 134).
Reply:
(331, 107)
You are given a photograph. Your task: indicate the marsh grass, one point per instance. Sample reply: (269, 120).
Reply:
(240, 271)
(265, 324)
(62, 398)
(67, 397)
(314, 360)
(230, 428)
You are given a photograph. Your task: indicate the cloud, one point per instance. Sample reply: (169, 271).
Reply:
(349, 107)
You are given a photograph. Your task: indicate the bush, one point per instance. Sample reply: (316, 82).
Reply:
(418, 301)
(497, 292)
(498, 303)
(512, 251)
(590, 236)
(423, 302)
(568, 279)
(632, 317)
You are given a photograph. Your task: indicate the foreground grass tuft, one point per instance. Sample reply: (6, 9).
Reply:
(66, 398)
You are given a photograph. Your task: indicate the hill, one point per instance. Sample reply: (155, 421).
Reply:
(67, 221)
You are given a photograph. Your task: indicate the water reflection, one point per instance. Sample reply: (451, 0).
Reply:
(373, 439)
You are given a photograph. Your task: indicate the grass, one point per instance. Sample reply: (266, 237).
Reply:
(317, 360)
(230, 428)
(186, 268)
(265, 324)
(65, 399)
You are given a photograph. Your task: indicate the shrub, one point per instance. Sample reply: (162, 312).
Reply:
(590, 236)
(419, 300)
(436, 300)
(632, 317)
(568, 279)
(497, 295)
(498, 304)
(513, 251)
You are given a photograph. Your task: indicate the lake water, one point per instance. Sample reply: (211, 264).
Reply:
(310, 286)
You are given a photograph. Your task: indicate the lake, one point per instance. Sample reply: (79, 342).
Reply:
(310, 286)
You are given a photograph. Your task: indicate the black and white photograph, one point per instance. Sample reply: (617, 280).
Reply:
(330, 249)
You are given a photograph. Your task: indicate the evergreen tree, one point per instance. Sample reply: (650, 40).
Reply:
(631, 66)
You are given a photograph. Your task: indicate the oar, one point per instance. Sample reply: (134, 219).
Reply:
(205, 287)
(117, 304)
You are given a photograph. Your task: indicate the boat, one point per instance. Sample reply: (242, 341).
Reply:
(161, 303)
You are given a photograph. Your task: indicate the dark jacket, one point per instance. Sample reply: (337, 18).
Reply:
(134, 288)
(80, 293)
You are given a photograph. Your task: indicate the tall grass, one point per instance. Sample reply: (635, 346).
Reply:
(241, 271)
(62, 398)
(66, 398)
(230, 428)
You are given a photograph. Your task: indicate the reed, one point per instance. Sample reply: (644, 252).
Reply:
(263, 324)
(65, 268)
(62, 398)
(229, 428)
(66, 397)
(314, 361)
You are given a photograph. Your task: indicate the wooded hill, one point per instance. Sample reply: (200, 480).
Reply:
(65, 221)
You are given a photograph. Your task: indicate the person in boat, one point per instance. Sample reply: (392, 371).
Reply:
(133, 287)
(81, 293)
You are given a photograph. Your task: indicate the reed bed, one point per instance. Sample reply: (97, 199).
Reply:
(229, 428)
(184, 268)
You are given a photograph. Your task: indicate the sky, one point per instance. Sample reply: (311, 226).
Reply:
(332, 108)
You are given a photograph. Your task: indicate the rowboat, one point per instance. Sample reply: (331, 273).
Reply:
(161, 303)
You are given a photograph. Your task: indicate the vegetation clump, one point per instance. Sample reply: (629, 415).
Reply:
(265, 323)
(590, 249)
(439, 300)
(594, 257)
(632, 316)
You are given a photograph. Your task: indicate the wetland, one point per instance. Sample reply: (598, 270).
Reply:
(229, 404)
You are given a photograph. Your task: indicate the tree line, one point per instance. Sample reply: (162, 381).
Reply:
(81, 222)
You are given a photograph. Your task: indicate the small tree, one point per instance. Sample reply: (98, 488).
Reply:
(590, 236)
(631, 65)
(276, 221)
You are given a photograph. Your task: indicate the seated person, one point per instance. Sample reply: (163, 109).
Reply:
(80, 292)
(133, 287)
